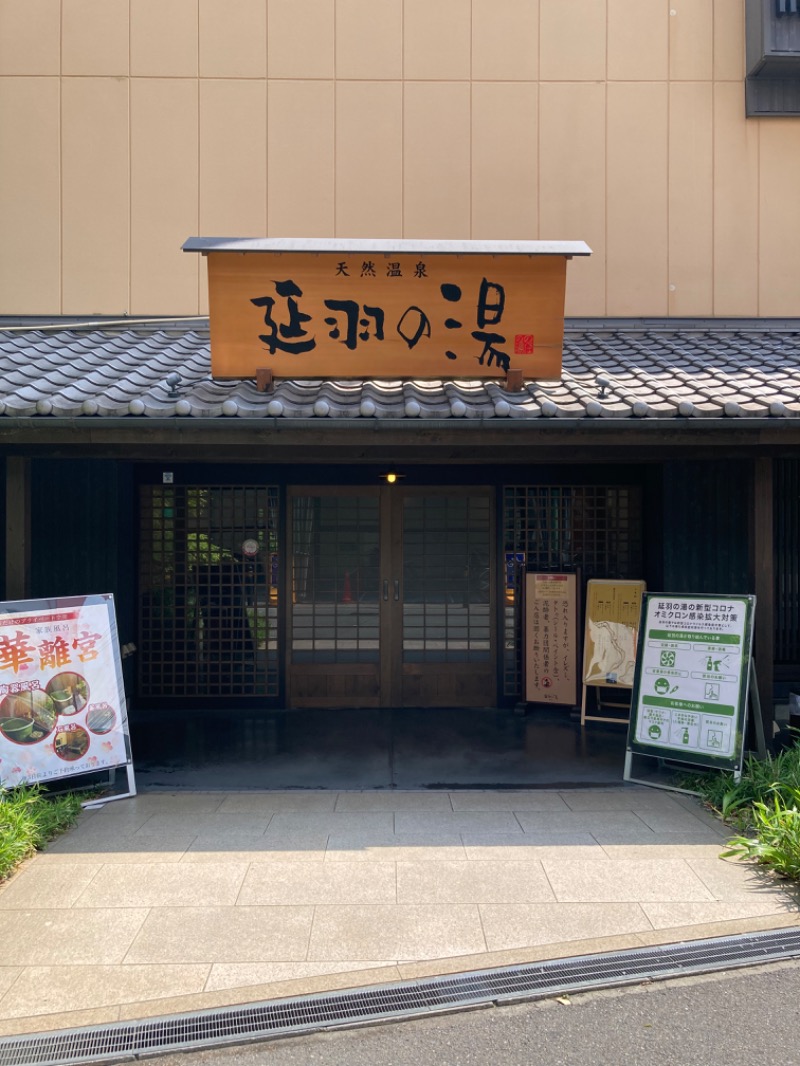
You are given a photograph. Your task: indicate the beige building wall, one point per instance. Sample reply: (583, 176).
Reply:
(127, 126)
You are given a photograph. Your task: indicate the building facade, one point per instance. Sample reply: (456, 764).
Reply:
(257, 553)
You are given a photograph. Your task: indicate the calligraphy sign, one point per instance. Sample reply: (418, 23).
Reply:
(401, 311)
(551, 638)
(62, 701)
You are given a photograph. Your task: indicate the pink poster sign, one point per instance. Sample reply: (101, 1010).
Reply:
(62, 700)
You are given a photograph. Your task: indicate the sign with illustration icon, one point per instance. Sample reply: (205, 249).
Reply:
(62, 700)
(690, 688)
(613, 610)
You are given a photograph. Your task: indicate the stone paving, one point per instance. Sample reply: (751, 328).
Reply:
(186, 901)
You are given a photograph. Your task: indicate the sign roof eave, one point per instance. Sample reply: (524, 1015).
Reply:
(389, 246)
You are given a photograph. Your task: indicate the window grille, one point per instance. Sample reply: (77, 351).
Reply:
(597, 528)
(208, 591)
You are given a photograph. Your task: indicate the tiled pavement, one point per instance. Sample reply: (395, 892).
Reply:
(176, 902)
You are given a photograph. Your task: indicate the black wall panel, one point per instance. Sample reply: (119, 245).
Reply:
(706, 526)
(82, 532)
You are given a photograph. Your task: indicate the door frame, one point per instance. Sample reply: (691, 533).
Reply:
(381, 684)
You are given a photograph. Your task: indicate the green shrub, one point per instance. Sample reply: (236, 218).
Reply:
(762, 806)
(732, 800)
(776, 839)
(29, 818)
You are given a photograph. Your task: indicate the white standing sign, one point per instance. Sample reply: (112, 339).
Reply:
(62, 700)
(692, 673)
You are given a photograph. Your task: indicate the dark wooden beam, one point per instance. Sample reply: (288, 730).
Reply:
(18, 528)
(763, 581)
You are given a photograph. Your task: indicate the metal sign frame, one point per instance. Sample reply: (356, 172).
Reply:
(693, 672)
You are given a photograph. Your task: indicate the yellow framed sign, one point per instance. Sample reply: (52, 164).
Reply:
(613, 612)
(394, 309)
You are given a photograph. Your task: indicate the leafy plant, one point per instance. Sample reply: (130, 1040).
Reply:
(29, 817)
(762, 806)
(760, 777)
(776, 839)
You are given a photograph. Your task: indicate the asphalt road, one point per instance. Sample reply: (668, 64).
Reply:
(742, 1018)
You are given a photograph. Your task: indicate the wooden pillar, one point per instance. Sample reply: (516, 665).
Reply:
(18, 528)
(763, 570)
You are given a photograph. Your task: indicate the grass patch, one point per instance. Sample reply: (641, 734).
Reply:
(29, 817)
(764, 806)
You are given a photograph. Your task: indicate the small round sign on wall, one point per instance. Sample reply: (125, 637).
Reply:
(250, 548)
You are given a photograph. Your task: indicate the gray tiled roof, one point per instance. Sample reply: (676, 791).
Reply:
(712, 369)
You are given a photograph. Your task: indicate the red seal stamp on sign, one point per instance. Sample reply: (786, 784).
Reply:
(523, 344)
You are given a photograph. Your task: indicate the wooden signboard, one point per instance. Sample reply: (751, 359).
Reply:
(551, 645)
(613, 610)
(401, 310)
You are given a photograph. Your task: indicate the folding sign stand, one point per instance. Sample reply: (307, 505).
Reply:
(754, 703)
(101, 801)
(601, 703)
(612, 621)
(694, 684)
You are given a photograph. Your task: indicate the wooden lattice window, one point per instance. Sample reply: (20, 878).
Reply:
(208, 591)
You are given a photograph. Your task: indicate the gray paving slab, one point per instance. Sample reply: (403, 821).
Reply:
(394, 801)
(41, 885)
(729, 879)
(476, 881)
(43, 990)
(620, 799)
(289, 823)
(665, 915)
(400, 932)
(215, 825)
(164, 885)
(624, 880)
(68, 937)
(278, 802)
(580, 821)
(399, 846)
(173, 935)
(527, 925)
(282, 883)
(534, 800)
(480, 821)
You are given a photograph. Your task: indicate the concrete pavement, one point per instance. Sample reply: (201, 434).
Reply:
(186, 901)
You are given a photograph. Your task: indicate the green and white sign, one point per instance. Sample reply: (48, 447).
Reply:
(689, 694)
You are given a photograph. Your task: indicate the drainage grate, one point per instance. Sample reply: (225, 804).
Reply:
(124, 1042)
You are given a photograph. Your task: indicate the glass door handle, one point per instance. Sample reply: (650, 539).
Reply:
(397, 588)
(386, 590)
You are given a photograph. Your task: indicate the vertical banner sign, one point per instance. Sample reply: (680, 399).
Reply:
(690, 691)
(62, 701)
(613, 610)
(551, 668)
